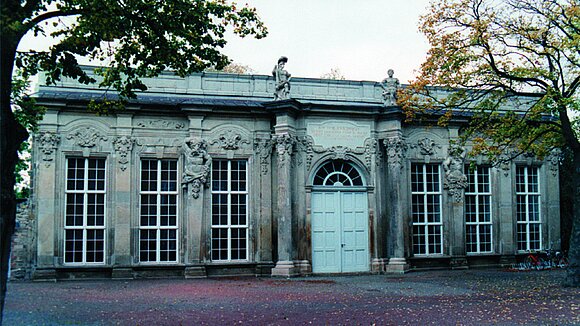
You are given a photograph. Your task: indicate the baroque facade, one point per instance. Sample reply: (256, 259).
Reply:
(221, 174)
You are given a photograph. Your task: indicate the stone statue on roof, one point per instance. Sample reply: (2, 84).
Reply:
(390, 86)
(282, 80)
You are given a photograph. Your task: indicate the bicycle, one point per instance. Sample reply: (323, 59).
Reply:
(556, 259)
(534, 261)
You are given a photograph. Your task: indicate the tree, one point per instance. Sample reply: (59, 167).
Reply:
(233, 68)
(334, 73)
(134, 38)
(494, 54)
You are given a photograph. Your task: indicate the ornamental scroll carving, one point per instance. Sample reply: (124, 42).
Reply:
(396, 149)
(123, 146)
(426, 146)
(307, 144)
(504, 163)
(554, 159)
(161, 124)
(370, 149)
(230, 140)
(455, 180)
(197, 165)
(284, 147)
(337, 152)
(47, 143)
(263, 150)
(86, 137)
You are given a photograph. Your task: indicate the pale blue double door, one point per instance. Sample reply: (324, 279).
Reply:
(340, 232)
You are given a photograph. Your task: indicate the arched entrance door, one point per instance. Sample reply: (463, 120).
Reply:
(339, 219)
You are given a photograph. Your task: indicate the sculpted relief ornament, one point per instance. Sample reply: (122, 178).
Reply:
(455, 180)
(230, 140)
(123, 146)
(396, 149)
(263, 149)
(47, 143)
(197, 165)
(390, 86)
(281, 80)
(284, 147)
(86, 137)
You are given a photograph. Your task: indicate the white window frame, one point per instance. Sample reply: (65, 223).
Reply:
(158, 227)
(85, 192)
(229, 192)
(425, 225)
(527, 194)
(478, 196)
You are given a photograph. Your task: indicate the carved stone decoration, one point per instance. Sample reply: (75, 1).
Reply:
(504, 163)
(554, 159)
(281, 80)
(161, 124)
(390, 86)
(307, 143)
(197, 165)
(455, 180)
(230, 140)
(426, 146)
(123, 146)
(86, 137)
(370, 149)
(263, 149)
(47, 143)
(284, 147)
(396, 149)
(339, 152)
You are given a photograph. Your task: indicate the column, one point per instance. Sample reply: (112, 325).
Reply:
(455, 181)
(504, 234)
(284, 266)
(44, 183)
(263, 152)
(395, 147)
(196, 165)
(121, 222)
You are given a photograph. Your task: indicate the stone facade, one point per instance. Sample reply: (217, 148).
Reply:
(209, 175)
(21, 256)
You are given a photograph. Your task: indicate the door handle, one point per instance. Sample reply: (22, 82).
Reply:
(342, 245)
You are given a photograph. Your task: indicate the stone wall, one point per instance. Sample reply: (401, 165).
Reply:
(22, 244)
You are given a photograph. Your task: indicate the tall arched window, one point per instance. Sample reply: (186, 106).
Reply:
(337, 173)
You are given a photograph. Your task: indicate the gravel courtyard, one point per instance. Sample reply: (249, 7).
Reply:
(468, 297)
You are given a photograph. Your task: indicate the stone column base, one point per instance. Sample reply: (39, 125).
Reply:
(303, 266)
(378, 265)
(458, 263)
(195, 272)
(398, 266)
(285, 269)
(122, 273)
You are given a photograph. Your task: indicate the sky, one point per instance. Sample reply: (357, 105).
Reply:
(362, 38)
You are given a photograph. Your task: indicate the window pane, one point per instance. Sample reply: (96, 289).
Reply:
(426, 209)
(84, 221)
(528, 213)
(229, 210)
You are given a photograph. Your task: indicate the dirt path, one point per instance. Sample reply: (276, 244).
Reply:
(472, 297)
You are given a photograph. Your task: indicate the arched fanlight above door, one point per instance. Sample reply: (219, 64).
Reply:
(338, 173)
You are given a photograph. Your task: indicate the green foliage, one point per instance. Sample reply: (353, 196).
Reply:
(497, 56)
(134, 39)
(28, 114)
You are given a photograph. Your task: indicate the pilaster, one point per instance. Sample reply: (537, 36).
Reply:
(47, 142)
(124, 165)
(396, 148)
